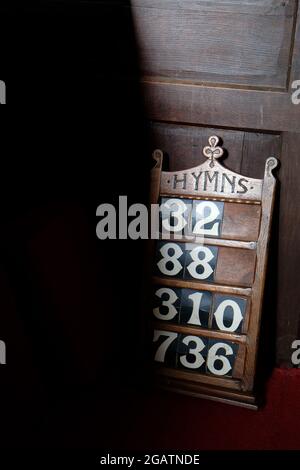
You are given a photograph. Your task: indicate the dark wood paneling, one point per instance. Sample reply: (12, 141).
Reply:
(223, 107)
(217, 41)
(257, 148)
(288, 291)
(295, 55)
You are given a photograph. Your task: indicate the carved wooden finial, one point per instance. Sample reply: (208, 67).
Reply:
(271, 164)
(212, 151)
(158, 157)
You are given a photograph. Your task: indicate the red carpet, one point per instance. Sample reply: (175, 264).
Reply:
(169, 421)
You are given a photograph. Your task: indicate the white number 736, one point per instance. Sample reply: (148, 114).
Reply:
(195, 352)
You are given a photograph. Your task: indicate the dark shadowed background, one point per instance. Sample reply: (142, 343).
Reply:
(72, 137)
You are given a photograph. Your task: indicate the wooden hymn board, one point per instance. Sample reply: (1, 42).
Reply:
(208, 277)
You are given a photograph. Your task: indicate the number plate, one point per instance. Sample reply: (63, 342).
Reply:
(186, 261)
(209, 219)
(209, 270)
(194, 353)
(201, 309)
